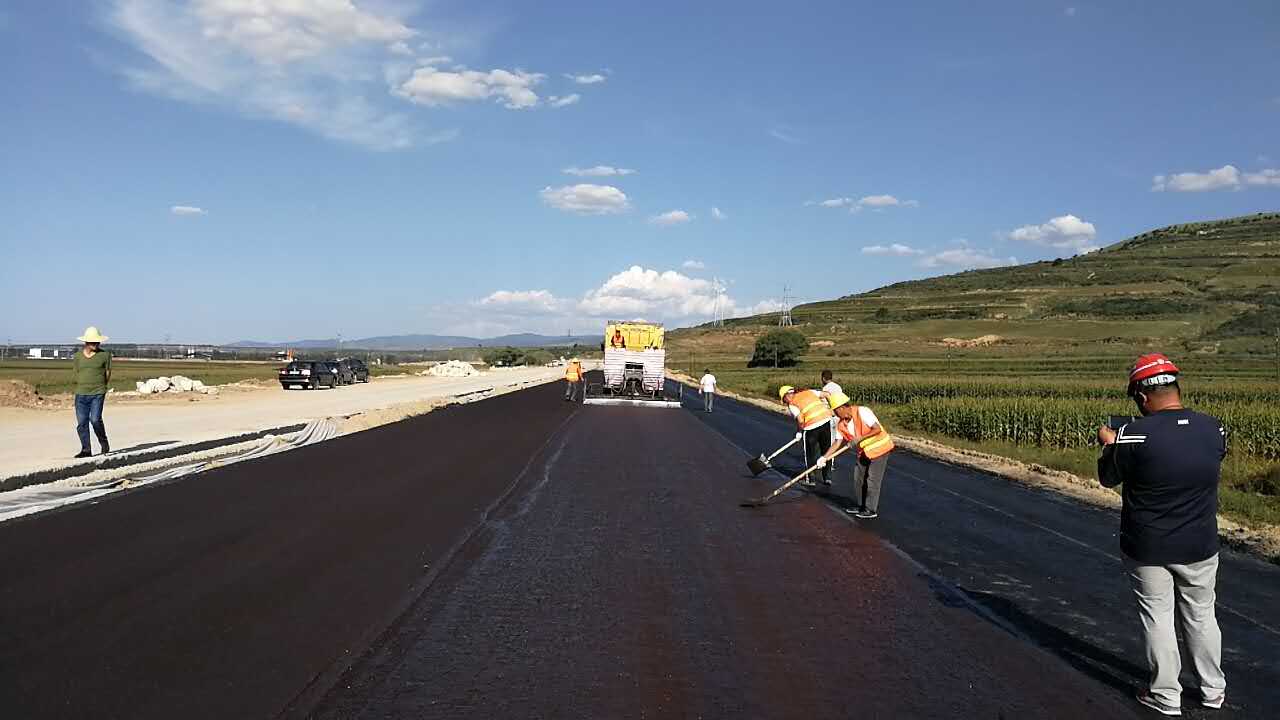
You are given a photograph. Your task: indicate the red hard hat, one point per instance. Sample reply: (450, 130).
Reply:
(1152, 369)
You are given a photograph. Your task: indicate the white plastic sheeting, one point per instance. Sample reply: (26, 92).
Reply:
(177, 383)
(453, 368)
(36, 498)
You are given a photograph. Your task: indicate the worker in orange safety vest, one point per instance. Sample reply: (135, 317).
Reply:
(813, 420)
(572, 379)
(860, 427)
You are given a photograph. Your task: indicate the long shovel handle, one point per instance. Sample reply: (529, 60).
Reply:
(782, 488)
(781, 449)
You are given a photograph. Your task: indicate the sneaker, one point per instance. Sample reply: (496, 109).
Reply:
(866, 514)
(808, 483)
(84, 454)
(1215, 703)
(1152, 702)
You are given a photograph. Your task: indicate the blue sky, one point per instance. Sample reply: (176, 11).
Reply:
(219, 170)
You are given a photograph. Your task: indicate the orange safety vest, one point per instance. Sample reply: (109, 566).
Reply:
(617, 341)
(573, 373)
(874, 443)
(814, 411)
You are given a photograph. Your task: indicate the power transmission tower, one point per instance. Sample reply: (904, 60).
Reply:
(784, 317)
(718, 307)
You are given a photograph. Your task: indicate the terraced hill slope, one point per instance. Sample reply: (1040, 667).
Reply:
(1204, 288)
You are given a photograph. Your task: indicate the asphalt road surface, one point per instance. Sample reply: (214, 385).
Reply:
(524, 557)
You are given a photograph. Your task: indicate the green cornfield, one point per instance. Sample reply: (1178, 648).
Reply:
(1253, 428)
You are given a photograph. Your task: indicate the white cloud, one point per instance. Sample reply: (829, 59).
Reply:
(875, 202)
(1268, 176)
(894, 249)
(563, 100)
(832, 202)
(693, 265)
(965, 259)
(883, 201)
(587, 79)
(1227, 176)
(586, 199)
(785, 137)
(315, 65)
(337, 68)
(523, 302)
(598, 171)
(762, 307)
(637, 292)
(671, 217)
(434, 87)
(187, 210)
(1064, 231)
(717, 214)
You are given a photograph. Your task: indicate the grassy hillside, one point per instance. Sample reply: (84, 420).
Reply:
(1202, 288)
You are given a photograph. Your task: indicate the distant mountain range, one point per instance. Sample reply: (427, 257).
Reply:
(428, 342)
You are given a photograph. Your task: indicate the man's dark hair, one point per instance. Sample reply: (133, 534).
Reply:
(706, 370)
(826, 376)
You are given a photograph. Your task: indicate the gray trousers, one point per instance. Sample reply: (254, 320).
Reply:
(708, 399)
(1190, 589)
(867, 477)
(571, 389)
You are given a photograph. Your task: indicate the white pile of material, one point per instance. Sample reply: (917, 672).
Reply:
(453, 368)
(175, 384)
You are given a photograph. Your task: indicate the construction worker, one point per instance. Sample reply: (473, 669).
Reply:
(813, 417)
(859, 426)
(617, 341)
(572, 379)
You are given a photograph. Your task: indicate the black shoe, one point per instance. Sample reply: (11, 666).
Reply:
(84, 454)
(105, 448)
(865, 514)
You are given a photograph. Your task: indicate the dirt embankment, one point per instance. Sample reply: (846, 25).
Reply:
(1262, 541)
(20, 393)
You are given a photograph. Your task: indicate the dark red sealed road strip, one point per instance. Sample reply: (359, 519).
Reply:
(227, 594)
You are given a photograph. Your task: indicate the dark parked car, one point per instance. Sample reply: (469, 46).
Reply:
(359, 369)
(345, 375)
(308, 374)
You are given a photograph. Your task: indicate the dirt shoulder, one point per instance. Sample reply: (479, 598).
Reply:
(1261, 541)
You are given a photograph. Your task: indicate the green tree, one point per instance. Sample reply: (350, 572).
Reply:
(778, 348)
(506, 356)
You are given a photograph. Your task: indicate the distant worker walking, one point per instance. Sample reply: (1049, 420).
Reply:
(1169, 462)
(91, 368)
(572, 379)
(707, 389)
(831, 387)
(813, 416)
(860, 427)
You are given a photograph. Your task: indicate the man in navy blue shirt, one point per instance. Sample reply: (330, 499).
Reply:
(1169, 462)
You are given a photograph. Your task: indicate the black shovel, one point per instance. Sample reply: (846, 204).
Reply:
(760, 501)
(759, 464)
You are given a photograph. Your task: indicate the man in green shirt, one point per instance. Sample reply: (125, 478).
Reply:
(91, 368)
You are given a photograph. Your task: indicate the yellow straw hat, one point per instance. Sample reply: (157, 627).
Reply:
(782, 391)
(91, 334)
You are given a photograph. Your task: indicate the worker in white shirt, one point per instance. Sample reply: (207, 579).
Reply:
(830, 388)
(707, 389)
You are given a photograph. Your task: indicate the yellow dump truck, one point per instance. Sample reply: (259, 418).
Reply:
(634, 367)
